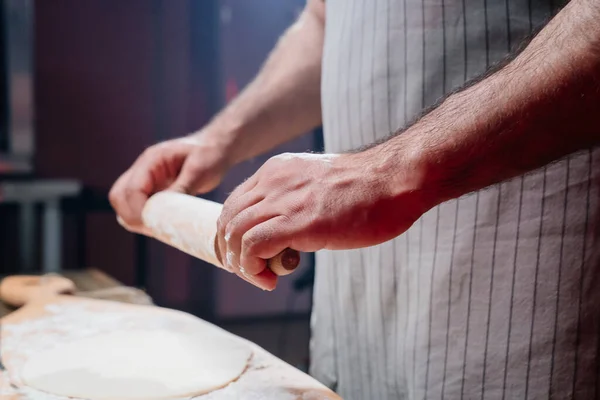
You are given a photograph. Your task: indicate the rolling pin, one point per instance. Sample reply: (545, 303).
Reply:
(189, 224)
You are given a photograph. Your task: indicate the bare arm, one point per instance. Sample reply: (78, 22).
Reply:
(284, 99)
(281, 103)
(541, 106)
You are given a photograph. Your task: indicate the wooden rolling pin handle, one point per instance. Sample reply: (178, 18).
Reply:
(190, 224)
(282, 264)
(285, 262)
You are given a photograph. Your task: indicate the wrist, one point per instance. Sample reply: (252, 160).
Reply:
(403, 165)
(220, 140)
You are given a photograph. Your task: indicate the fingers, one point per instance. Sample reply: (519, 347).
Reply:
(264, 241)
(140, 186)
(254, 239)
(266, 280)
(241, 212)
(142, 230)
(256, 233)
(154, 170)
(258, 275)
(131, 191)
(233, 234)
(125, 197)
(240, 199)
(198, 175)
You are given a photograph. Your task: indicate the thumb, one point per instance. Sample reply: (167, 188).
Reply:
(197, 177)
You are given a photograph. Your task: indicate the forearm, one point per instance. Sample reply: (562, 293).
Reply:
(543, 105)
(284, 99)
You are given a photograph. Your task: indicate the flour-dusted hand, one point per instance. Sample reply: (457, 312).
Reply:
(188, 165)
(309, 202)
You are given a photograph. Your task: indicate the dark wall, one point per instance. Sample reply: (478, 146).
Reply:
(113, 77)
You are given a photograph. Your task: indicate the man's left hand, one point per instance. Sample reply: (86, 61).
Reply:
(310, 202)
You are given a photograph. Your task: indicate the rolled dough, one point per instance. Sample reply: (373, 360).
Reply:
(136, 364)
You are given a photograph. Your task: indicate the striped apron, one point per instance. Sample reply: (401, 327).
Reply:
(490, 296)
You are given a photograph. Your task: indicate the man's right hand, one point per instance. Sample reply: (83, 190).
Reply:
(190, 165)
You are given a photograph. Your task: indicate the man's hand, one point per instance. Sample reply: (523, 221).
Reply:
(188, 165)
(538, 108)
(281, 103)
(309, 202)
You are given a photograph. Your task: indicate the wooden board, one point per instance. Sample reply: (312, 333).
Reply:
(85, 280)
(48, 321)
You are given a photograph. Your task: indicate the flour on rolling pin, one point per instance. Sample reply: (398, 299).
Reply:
(190, 224)
(185, 222)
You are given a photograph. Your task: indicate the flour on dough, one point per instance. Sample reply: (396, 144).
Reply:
(137, 364)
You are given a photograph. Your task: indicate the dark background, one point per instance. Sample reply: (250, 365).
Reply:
(113, 77)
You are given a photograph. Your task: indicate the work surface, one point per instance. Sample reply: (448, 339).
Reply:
(66, 318)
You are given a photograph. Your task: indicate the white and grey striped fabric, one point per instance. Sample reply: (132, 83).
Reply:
(491, 296)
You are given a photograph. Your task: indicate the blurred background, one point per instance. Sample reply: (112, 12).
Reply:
(85, 86)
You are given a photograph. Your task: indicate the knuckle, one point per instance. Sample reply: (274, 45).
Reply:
(307, 197)
(148, 152)
(114, 196)
(128, 193)
(195, 163)
(273, 163)
(285, 221)
(231, 230)
(238, 191)
(282, 157)
(154, 151)
(250, 243)
(168, 144)
(221, 223)
(224, 225)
